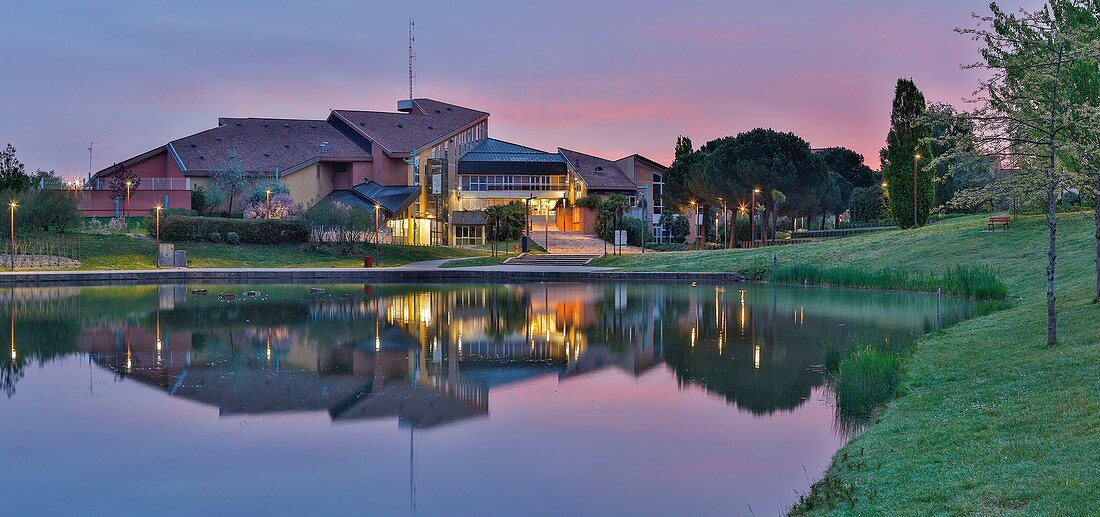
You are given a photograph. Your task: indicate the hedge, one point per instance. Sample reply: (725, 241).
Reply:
(250, 231)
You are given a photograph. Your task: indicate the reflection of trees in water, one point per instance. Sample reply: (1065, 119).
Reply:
(38, 340)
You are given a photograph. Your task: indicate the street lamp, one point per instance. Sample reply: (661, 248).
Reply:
(698, 227)
(752, 218)
(725, 226)
(12, 208)
(915, 158)
(158, 208)
(377, 234)
(267, 202)
(129, 185)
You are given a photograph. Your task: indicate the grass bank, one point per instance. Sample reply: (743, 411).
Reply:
(989, 419)
(98, 252)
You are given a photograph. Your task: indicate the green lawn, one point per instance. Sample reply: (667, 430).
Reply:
(479, 261)
(126, 252)
(990, 420)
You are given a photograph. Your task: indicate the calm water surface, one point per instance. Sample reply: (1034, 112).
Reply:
(462, 399)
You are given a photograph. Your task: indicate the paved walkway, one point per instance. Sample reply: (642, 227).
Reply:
(547, 235)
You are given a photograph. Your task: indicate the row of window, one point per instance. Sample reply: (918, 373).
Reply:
(512, 182)
(469, 235)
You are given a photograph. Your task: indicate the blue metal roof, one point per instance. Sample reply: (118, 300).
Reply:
(392, 199)
(497, 156)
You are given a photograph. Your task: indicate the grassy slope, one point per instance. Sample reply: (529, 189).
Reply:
(990, 420)
(124, 252)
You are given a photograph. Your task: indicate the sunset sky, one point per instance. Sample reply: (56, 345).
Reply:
(607, 78)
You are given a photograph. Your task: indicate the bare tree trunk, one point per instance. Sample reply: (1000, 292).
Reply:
(1052, 215)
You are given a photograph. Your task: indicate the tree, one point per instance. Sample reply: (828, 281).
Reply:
(230, 180)
(1023, 111)
(683, 147)
(1082, 154)
(47, 210)
(955, 162)
(905, 142)
(123, 183)
(849, 165)
(198, 199)
(867, 204)
(13, 177)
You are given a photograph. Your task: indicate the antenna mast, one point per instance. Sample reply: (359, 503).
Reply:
(412, 39)
(90, 144)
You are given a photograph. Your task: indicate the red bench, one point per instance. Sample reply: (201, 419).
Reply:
(999, 219)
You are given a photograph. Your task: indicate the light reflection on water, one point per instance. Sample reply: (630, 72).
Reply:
(529, 398)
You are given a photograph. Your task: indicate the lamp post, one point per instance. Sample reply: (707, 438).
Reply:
(695, 223)
(915, 158)
(11, 256)
(377, 229)
(126, 209)
(743, 209)
(752, 218)
(725, 227)
(267, 202)
(158, 208)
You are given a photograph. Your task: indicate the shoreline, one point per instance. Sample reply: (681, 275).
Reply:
(30, 278)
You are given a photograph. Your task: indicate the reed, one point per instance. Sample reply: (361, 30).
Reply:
(977, 282)
(868, 378)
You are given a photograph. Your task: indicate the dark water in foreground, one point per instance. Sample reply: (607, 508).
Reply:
(463, 399)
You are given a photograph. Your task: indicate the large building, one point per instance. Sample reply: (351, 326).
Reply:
(430, 167)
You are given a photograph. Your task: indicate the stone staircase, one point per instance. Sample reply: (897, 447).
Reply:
(550, 260)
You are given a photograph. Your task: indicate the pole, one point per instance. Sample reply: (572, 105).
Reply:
(752, 221)
(11, 255)
(915, 158)
(546, 231)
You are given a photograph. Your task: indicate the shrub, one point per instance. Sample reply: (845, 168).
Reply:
(867, 379)
(198, 199)
(232, 237)
(47, 210)
(215, 237)
(635, 230)
(590, 201)
(339, 223)
(250, 231)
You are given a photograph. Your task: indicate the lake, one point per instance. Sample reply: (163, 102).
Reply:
(432, 399)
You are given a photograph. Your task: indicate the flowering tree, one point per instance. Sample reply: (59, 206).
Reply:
(281, 206)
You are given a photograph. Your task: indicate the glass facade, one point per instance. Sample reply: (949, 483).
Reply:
(489, 183)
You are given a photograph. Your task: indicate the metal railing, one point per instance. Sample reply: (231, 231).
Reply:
(146, 184)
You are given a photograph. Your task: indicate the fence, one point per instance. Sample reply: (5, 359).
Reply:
(146, 184)
(42, 254)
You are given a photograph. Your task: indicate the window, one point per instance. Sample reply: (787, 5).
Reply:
(480, 183)
(469, 235)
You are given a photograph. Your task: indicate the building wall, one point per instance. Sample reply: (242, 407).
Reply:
(308, 184)
(391, 172)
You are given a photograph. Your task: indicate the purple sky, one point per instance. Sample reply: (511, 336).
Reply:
(608, 78)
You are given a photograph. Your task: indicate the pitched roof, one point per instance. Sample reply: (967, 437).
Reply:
(369, 194)
(399, 133)
(262, 144)
(497, 156)
(598, 173)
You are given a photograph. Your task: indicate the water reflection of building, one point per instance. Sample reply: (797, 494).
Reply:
(426, 357)
(430, 354)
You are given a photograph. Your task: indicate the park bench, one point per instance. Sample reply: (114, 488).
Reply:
(999, 219)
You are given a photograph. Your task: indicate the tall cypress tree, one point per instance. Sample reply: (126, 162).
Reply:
(905, 142)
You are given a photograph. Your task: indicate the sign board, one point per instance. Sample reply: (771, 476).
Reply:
(699, 219)
(437, 183)
(620, 237)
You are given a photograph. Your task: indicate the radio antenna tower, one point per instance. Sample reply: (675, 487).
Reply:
(90, 145)
(412, 39)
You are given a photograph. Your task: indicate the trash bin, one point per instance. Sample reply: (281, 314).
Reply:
(524, 241)
(368, 261)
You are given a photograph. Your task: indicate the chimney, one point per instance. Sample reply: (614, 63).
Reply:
(324, 148)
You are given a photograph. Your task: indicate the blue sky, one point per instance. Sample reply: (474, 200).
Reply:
(609, 78)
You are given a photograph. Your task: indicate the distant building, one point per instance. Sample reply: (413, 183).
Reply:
(429, 167)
